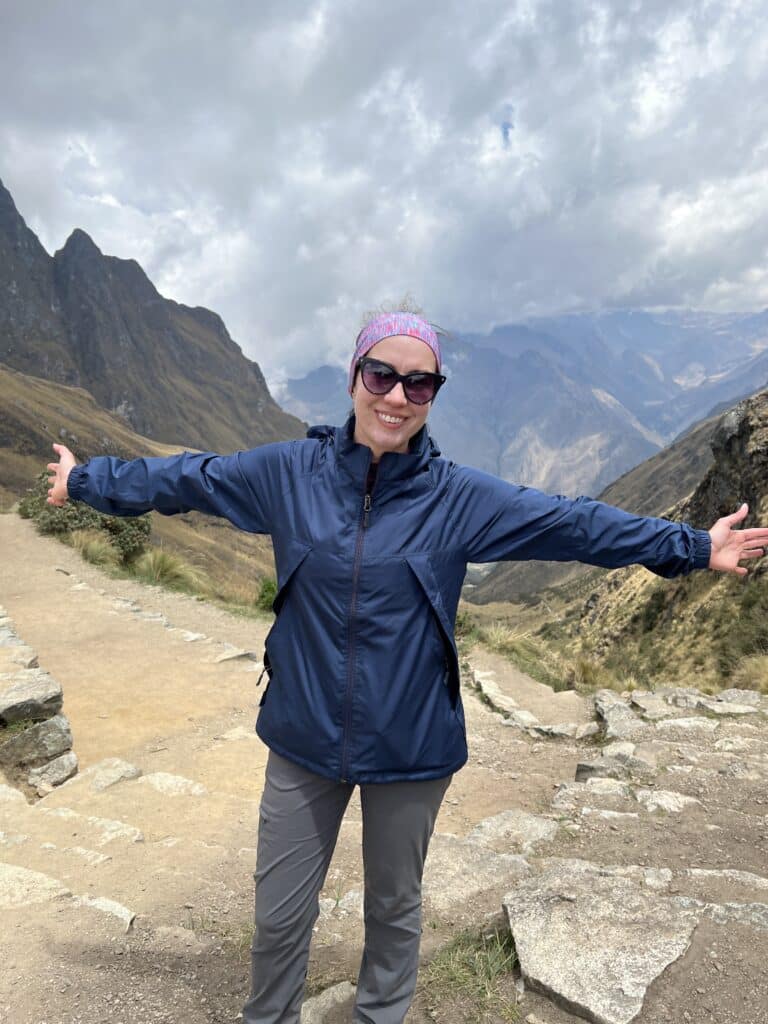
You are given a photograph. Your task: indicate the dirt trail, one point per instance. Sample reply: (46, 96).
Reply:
(174, 849)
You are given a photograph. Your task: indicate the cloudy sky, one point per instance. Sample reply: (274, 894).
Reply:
(292, 164)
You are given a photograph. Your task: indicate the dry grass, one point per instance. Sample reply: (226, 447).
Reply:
(95, 548)
(471, 979)
(752, 674)
(168, 570)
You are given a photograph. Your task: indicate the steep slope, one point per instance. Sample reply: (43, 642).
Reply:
(652, 488)
(170, 371)
(708, 627)
(34, 413)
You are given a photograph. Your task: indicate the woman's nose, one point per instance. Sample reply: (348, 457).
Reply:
(397, 395)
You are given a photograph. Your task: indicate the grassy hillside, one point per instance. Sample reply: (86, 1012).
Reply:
(35, 413)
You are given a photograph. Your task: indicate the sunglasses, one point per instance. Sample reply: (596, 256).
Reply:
(380, 378)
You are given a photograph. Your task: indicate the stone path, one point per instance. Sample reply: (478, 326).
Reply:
(630, 863)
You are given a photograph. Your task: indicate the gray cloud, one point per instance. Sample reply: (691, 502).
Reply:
(290, 165)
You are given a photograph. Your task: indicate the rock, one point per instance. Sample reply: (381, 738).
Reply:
(736, 744)
(173, 785)
(235, 654)
(40, 742)
(587, 729)
(54, 773)
(19, 887)
(29, 694)
(687, 724)
(107, 773)
(603, 768)
(9, 795)
(16, 656)
(315, 1010)
(664, 800)
(565, 730)
(458, 869)
(593, 943)
(110, 830)
(608, 787)
(519, 828)
(726, 707)
(520, 719)
(651, 706)
(191, 638)
(619, 751)
(740, 697)
(621, 722)
(595, 812)
(108, 907)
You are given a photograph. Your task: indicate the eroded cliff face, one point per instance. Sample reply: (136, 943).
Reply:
(171, 372)
(709, 628)
(740, 469)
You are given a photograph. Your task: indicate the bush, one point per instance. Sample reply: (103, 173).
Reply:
(167, 570)
(267, 593)
(128, 535)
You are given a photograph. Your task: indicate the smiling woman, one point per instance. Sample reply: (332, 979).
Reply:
(372, 532)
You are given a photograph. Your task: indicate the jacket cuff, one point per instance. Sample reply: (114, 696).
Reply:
(702, 550)
(76, 482)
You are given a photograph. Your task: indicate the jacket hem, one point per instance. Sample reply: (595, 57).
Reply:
(362, 778)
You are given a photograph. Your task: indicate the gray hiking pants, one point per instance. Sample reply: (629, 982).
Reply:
(298, 826)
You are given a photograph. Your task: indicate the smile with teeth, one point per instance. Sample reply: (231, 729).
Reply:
(393, 420)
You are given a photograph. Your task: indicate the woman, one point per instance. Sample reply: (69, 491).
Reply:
(372, 532)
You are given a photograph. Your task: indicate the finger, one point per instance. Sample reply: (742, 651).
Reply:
(738, 515)
(753, 553)
(757, 535)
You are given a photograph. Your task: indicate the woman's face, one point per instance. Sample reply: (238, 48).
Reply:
(386, 423)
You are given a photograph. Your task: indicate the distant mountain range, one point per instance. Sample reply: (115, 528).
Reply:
(567, 404)
(570, 403)
(169, 371)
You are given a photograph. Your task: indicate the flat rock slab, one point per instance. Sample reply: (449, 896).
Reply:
(457, 870)
(19, 887)
(29, 694)
(173, 785)
(592, 943)
(514, 828)
(315, 1010)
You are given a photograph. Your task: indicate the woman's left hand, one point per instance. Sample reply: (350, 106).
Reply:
(730, 546)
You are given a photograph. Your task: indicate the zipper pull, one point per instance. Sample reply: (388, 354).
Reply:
(366, 509)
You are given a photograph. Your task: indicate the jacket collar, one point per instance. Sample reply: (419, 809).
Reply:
(354, 459)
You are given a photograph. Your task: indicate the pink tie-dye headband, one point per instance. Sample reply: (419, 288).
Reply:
(386, 325)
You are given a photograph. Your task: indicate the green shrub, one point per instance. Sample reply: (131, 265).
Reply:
(267, 593)
(128, 535)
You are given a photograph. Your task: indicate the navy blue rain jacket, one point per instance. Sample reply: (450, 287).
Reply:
(364, 677)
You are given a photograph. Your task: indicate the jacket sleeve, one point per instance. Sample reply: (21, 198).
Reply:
(244, 488)
(500, 521)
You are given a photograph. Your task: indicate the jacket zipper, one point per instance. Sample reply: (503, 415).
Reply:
(367, 501)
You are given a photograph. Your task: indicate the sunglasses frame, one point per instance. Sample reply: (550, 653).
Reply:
(400, 378)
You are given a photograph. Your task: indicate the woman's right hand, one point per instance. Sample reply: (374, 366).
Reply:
(57, 491)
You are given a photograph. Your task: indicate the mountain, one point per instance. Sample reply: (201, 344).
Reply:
(650, 489)
(568, 404)
(707, 627)
(35, 412)
(172, 372)
(521, 417)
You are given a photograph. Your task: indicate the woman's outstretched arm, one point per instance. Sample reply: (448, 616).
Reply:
(243, 487)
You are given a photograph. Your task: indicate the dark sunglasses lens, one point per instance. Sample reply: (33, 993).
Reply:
(420, 388)
(377, 379)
